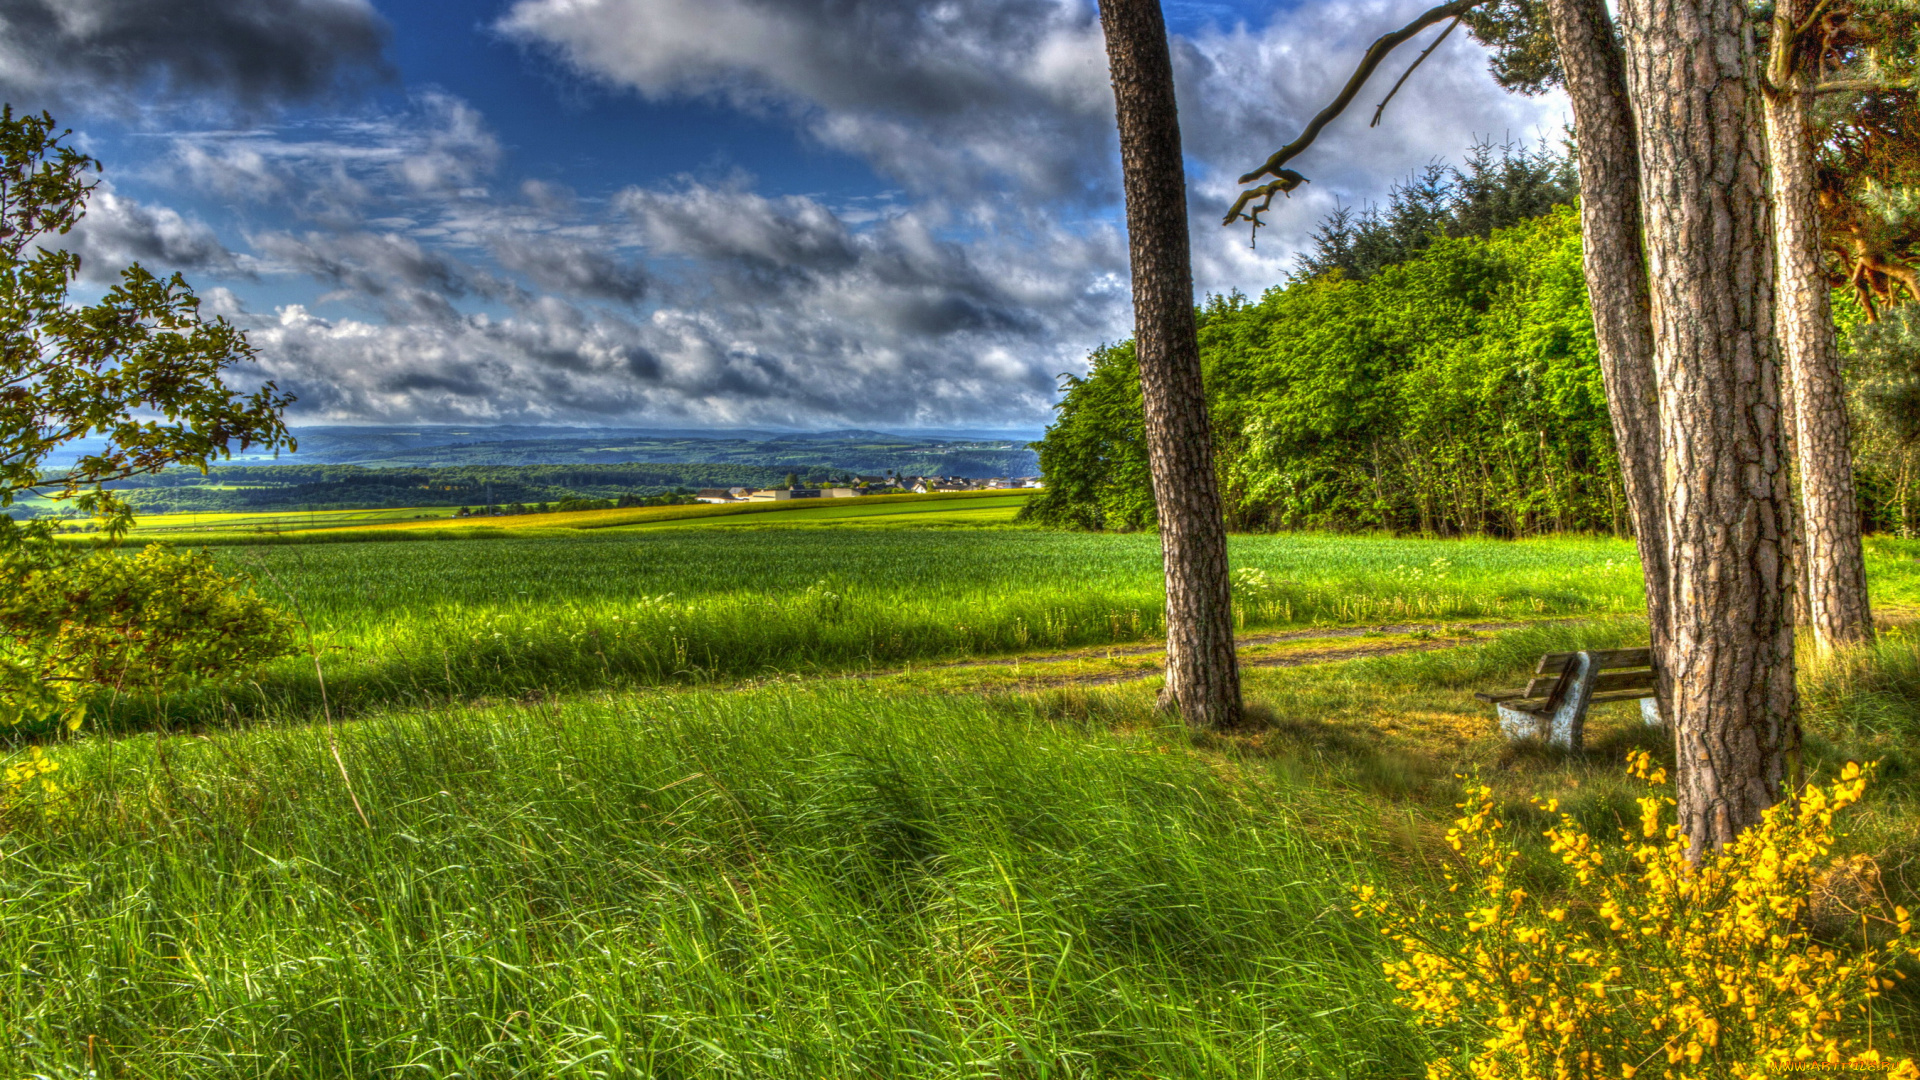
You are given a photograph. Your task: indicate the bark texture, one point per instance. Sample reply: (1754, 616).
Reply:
(1833, 569)
(1691, 70)
(1203, 673)
(1594, 72)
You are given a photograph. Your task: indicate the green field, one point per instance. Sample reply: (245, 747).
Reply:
(705, 796)
(521, 613)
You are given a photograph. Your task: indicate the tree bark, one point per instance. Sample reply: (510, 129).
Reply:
(1833, 568)
(1690, 68)
(1203, 673)
(1616, 268)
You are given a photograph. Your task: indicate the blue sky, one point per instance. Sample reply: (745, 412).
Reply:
(802, 213)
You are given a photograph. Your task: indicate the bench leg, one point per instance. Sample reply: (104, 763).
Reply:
(1567, 726)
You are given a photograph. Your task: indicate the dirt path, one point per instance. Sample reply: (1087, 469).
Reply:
(1040, 678)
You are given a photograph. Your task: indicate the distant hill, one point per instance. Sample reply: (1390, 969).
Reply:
(368, 468)
(855, 450)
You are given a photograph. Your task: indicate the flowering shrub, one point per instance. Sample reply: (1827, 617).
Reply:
(1650, 965)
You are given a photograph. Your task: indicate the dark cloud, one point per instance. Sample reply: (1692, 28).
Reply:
(256, 52)
(571, 268)
(117, 231)
(366, 263)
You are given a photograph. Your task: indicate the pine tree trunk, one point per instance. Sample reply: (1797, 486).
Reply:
(1203, 673)
(1703, 192)
(1616, 270)
(1834, 570)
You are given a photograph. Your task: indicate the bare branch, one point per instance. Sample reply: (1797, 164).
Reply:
(1382, 107)
(1371, 60)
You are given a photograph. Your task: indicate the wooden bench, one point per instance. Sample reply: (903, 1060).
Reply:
(1553, 705)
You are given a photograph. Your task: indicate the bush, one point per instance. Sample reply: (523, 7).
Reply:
(1650, 962)
(151, 622)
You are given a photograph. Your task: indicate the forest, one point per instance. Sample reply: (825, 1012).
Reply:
(1431, 368)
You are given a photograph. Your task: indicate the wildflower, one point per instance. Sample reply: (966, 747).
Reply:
(1742, 990)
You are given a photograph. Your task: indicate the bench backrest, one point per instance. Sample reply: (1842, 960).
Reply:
(1612, 667)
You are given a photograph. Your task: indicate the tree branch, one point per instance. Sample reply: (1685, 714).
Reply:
(1371, 60)
(1424, 53)
(1864, 86)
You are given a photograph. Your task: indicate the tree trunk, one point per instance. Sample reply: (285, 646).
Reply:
(1703, 191)
(1616, 269)
(1834, 570)
(1203, 673)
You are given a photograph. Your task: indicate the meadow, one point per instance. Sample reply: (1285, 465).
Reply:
(517, 614)
(833, 798)
(815, 879)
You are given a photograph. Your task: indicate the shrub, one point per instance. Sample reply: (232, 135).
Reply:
(1651, 963)
(150, 622)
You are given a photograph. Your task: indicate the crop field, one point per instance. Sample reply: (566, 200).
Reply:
(160, 525)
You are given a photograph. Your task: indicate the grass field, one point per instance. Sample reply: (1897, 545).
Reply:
(627, 607)
(805, 880)
(765, 794)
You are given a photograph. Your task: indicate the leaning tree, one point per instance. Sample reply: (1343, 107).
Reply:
(1203, 675)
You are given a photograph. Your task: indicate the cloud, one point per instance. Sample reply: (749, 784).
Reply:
(572, 268)
(437, 148)
(117, 231)
(995, 261)
(367, 264)
(254, 52)
(778, 312)
(941, 97)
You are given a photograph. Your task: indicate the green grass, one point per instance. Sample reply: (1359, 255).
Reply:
(902, 877)
(428, 622)
(778, 883)
(821, 880)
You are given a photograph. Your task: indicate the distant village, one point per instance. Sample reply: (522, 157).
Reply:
(845, 488)
(866, 485)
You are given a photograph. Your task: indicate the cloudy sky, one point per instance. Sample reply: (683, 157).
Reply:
(797, 213)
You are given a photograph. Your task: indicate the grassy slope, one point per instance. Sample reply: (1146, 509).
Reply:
(824, 880)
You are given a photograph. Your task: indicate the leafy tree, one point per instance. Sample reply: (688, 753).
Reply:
(141, 370)
(70, 371)
(1501, 185)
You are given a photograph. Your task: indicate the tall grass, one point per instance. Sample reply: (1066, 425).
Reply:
(426, 623)
(768, 884)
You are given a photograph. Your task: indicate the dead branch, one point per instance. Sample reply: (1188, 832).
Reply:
(1275, 165)
(1381, 108)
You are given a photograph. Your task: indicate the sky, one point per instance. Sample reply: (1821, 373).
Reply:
(775, 213)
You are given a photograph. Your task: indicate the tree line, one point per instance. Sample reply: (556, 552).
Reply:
(1434, 368)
